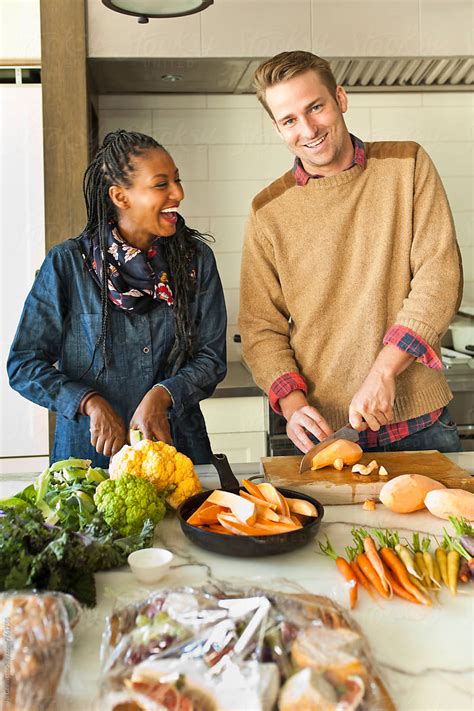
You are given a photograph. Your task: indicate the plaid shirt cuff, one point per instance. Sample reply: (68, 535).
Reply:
(408, 341)
(283, 386)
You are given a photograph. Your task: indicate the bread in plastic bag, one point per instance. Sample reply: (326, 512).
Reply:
(222, 647)
(35, 637)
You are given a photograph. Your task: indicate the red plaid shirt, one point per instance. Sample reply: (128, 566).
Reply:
(398, 336)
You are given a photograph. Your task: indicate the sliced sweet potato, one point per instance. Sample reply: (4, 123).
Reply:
(265, 515)
(216, 528)
(301, 506)
(274, 497)
(253, 489)
(290, 521)
(245, 511)
(195, 518)
(259, 502)
(209, 515)
(232, 524)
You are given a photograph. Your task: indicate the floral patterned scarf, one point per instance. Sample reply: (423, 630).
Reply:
(137, 280)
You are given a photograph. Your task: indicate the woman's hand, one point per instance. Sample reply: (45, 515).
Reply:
(151, 416)
(108, 433)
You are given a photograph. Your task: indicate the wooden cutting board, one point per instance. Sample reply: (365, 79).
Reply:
(330, 486)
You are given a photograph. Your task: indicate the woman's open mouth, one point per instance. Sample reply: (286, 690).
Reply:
(170, 214)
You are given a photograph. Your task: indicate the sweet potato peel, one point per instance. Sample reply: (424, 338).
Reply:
(258, 510)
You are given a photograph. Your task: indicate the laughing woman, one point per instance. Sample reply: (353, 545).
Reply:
(125, 325)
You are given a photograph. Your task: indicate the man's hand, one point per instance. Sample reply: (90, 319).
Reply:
(302, 418)
(372, 405)
(108, 433)
(151, 418)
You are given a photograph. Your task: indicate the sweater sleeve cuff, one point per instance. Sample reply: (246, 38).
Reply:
(283, 386)
(411, 343)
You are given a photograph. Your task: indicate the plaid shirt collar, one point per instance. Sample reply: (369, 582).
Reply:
(302, 177)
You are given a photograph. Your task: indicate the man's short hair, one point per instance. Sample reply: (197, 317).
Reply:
(287, 65)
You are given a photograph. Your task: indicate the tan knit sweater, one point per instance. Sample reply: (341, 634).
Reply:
(329, 267)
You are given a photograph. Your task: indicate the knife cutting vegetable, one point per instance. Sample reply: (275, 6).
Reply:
(349, 455)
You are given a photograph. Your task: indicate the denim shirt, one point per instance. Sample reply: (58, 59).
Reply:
(51, 355)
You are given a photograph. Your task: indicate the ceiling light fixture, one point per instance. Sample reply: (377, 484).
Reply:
(144, 9)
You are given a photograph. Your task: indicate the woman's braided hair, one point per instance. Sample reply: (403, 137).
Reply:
(113, 165)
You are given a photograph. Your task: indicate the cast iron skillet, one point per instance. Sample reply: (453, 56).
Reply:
(245, 546)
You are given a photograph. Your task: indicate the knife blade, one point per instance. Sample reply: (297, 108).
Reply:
(346, 432)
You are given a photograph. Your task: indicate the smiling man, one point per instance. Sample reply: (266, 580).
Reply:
(350, 274)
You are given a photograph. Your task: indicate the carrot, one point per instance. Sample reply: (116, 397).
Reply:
(397, 588)
(419, 559)
(361, 577)
(464, 574)
(351, 553)
(453, 569)
(401, 573)
(442, 560)
(371, 575)
(455, 550)
(373, 556)
(407, 559)
(345, 569)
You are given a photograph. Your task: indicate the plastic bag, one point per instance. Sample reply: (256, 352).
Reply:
(35, 637)
(234, 648)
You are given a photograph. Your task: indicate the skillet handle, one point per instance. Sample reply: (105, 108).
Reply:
(226, 476)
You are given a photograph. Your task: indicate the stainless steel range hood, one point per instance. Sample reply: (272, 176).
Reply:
(234, 76)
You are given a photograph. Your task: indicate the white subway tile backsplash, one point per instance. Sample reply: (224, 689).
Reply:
(369, 100)
(152, 101)
(450, 158)
(229, 269)
(207, 126)
(232, 101)
(467, 253)
(464, 222)
(232, 297)
(234, 350)
(460, 192)
(239, 162)
(429, 124)
(228, 232)
(190, 160)
(198, 223)
(448, 98)
(358, 121)
(221, 198)
(132, 120)
(468, 293)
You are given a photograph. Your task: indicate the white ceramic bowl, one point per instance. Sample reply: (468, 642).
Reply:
(150, 564)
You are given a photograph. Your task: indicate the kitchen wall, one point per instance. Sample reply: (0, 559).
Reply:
(227, 150)
(260, 28)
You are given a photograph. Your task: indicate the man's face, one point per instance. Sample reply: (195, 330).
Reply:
(310, 121)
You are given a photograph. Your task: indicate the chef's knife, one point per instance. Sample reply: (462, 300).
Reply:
(346, 432)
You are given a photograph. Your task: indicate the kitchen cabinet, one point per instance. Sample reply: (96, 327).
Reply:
(23, 425)
(237, 426)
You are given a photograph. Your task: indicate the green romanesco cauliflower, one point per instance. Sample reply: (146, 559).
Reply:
(167, 469)
(127, 502)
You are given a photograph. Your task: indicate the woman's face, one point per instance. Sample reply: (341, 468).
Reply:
(148, 207)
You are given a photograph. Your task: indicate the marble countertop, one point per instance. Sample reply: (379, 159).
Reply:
(425, 655)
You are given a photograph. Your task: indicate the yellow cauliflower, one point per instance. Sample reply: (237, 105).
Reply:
(162, 465)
